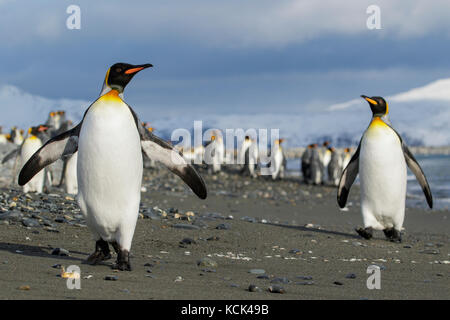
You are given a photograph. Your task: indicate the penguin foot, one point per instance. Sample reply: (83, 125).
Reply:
(393, 235)
(123, 261)
(100, 254)
(366, 233)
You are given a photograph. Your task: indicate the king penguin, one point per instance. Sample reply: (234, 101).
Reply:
(381, 160)
(109, 140)
(36, 136)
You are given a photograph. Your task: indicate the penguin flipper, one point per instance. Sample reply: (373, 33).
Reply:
(347, 178)
(10, 155)
(417, 170)
(62, 145)
(161, 151)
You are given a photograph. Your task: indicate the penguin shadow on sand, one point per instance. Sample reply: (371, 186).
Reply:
(316, 230)
(38, 251)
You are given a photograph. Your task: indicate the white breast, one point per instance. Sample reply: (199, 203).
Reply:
(109, 168)
(382, 171)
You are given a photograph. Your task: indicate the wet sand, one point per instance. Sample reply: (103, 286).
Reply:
(294, 232)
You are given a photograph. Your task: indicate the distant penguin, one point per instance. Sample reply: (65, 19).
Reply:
(334, 167)
(3, 137)
(70, 175)
(306, 164)
(381, 160)
(346, 158)
(316, 166)
(278, 161)
(249, 156)
(109, 140)
(16, 136)
(215, 152)
(31, 144)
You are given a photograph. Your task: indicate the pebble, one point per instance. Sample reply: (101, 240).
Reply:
(25, 288)
(281, 280)
(276, 289)
(185, 226)
(223, 226)
(111, 278)
(257, 271)
(263, 276)
(248, 219)
(29, 222)
(207, 262)
(60, 252)
(12, 216)
(430, 251)
(253, 288)
(304, 277)
(305, 283)
(338, 283)
(351, 276)
(187, 241)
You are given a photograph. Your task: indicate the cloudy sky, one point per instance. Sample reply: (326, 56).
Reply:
(226, 56)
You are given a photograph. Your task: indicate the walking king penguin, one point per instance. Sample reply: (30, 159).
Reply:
(110, 139)
(381, 160)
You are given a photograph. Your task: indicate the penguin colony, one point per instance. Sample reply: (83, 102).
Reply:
(104, 155)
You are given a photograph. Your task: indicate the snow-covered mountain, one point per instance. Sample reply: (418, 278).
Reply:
(420, 115)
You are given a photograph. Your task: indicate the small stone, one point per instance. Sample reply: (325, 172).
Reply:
(185, 226)
(276, 289)
(223, 226)
(111, 278)
(31, 223)
(257, 271)
(50, 229)
(304, 277)
(282, 280)
(263, 277)
(213, 238)
(430, 251)
(60, 252)
(351, 276)
(338, 283)
(248, 219)
(253, 288)
(12, 216)
(295, 251)
(305, 283)
(60, 220)
(178, 279)
(56, 266)
(187, 241)
(207, 262)
(25, 288)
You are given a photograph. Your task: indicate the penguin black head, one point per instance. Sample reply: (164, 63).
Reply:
(38, 129)
(119, 74)
(378, 105)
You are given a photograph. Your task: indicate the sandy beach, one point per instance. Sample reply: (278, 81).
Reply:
(280, 234)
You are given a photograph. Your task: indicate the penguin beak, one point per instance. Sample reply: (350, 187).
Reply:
(42, 128)
(138, 68)
(369, 100)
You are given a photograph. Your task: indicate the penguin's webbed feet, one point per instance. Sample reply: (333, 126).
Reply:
(393, 235)
(366, 233)
(123, 261)
(100, 254)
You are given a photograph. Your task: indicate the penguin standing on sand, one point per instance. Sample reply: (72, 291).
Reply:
(381, 160)
(306, 164)
(278, 160)
(334, 167)
(109, 140)
(215, 151)
(249, 156)
(316, 166)
(36, 135)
